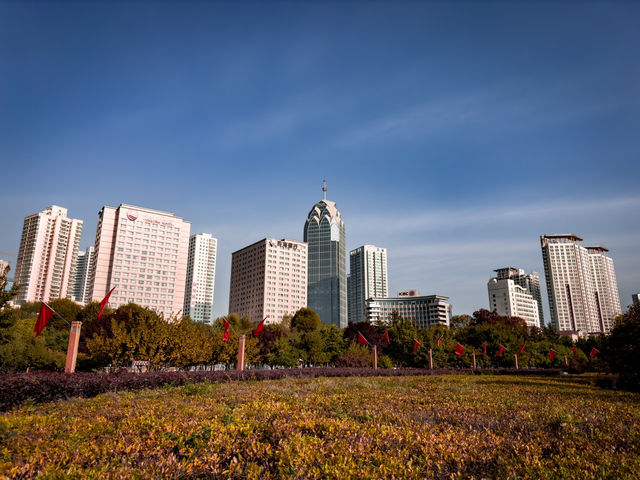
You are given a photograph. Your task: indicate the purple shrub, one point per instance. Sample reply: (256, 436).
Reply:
(37, 387)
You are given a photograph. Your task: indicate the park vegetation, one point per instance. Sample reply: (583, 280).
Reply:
(133, 333)
(413, 427)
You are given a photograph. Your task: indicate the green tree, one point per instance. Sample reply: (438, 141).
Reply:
(305, 320)
(133, 333)
(622, 348)
(7, 295)
(284, 353)
(22, 349)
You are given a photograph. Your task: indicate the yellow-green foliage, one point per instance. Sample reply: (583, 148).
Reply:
(409, 427)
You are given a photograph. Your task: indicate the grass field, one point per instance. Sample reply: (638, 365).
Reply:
(450, 426)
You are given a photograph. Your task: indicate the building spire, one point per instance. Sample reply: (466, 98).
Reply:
(324, 188)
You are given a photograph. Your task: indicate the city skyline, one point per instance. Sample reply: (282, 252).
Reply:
(454, 137)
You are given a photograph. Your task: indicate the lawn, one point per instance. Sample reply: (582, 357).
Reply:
(449, 426)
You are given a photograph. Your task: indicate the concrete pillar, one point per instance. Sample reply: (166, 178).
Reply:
(515, 360)
(240, 366)
(374, 357)
(72, 349)
(473, 358)
(430, 359)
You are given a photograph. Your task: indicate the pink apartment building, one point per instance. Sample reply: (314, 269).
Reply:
(269, 278)
(47, 255)
(143, 253)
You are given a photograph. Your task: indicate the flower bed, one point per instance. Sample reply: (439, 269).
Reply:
(37, 387)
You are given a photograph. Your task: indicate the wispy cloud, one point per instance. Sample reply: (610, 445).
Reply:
(497, 213)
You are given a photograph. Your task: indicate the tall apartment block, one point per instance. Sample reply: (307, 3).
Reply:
(47, 255)
(635, 298)
(269, 278)
(201, 276)
(511, 300)
(143, 253)
(423, 311)
(325, 234)
(82, 277)
(367, 278)
(581, 284)
(517, 301)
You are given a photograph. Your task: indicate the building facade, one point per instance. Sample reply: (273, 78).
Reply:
(367, 278)
(82, 277)
(325, 234)
(269, 278)
(422, 311)
(635, 298)
(581, 284)
(517, 298)
(511, 300)
(47, 255)
(143, 253)
(201, 277)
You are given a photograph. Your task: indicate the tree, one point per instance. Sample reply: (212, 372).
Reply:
(7, 295)
(284, 353)
(622, 348)
(305, 320)
(133, 333)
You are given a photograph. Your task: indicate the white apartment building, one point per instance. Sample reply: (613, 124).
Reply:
(82, 277)
(508, 299)
(368, 278)
(47, 255)
(201, 276)
(423, 311)
(269, 278)
(143, 253)
(581, 284)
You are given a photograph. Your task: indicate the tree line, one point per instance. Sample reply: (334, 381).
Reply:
(133, 333)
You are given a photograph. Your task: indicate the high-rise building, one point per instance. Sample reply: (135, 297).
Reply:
(581, 284)
(268, 278)
(47, 255)
(367, 279)
(423, 311)
(327, 283)
(201, 277)
(530, 283)
(511, 300)
(82, 277)
(143, 253)
(635, 298)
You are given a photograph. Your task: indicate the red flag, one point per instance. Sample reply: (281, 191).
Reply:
(573, 350)
(594, 352)
(43, 317)
(104, 302)
(438, 341)
(484, 348)
(523, 345)
(552, 354)
(260, 326)
(501, 350)
(225, 335)
(362, 340)
(459, 350)
(416, 344)
(386, 338)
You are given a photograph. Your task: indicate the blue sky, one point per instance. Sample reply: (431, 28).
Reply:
(452, 133)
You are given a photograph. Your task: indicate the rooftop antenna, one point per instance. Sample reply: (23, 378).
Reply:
(324, 188)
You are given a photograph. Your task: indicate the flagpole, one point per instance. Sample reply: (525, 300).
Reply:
(49, 307)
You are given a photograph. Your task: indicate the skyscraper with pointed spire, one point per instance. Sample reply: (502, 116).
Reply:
(327, 261)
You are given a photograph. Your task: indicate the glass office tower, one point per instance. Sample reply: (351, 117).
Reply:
(327, 256)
